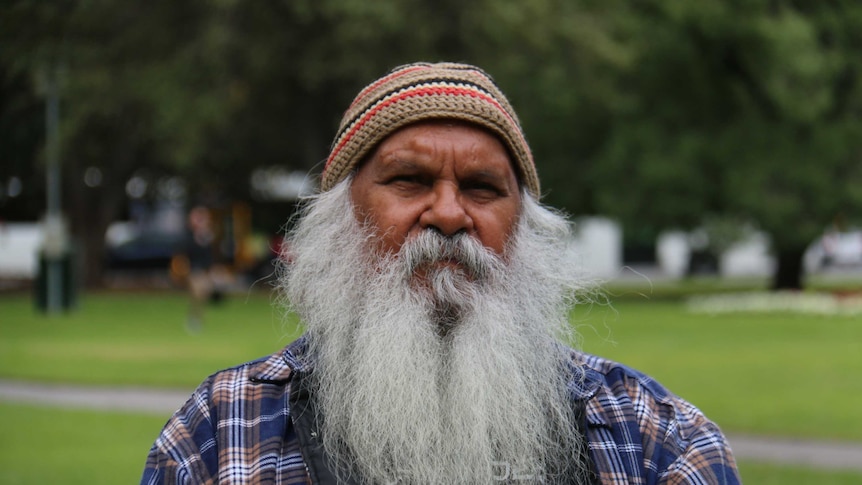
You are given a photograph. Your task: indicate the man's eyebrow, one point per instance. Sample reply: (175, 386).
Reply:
(492, 173)
(485, 175)
(396, 162)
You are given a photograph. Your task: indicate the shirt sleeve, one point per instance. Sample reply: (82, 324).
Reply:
(642, 433)
(185, 451)
(706, 458)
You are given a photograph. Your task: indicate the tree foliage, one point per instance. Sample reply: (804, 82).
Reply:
(750, 109)
(660, 112)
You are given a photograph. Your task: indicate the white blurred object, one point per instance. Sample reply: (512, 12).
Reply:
(601, 243)
(673, 252)
(835, 249)
(749, 257)
(19, 249)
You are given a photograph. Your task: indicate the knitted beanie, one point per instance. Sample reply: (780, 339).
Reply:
(423, 91)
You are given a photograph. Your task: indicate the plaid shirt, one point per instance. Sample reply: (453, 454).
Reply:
(236, 428)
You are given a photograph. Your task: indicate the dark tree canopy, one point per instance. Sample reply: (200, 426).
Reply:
(658, 113)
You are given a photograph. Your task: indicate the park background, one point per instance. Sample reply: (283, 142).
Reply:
(720, 121)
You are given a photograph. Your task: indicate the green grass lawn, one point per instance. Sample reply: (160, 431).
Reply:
(759, 474)
(780, 374)
(124, 338)
(50, 445)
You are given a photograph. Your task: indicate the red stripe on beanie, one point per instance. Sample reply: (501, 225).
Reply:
(436, 90)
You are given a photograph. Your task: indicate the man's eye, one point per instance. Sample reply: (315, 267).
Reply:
(405, 178)
(405, 181)
(484, 190)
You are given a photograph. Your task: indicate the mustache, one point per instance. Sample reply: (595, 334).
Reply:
(430, 247)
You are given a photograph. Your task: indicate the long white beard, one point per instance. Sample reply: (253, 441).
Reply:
(457, 379)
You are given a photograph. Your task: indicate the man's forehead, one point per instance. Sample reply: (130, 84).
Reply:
(420, 145)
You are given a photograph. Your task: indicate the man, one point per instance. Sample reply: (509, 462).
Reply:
(435, 291)
(198, 251)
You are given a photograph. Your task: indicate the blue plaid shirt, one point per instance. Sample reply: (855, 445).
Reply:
(236, 428)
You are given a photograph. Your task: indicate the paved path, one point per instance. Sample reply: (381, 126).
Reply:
(816, 454)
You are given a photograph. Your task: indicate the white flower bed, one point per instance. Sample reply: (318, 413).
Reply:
(781, 301)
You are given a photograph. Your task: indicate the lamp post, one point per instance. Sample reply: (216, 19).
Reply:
(55, 248)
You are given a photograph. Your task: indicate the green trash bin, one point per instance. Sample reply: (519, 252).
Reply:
(62, 268)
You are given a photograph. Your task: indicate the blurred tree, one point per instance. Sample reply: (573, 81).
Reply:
(660, 113)
(22, 128)
(129, 98)
(749, 109)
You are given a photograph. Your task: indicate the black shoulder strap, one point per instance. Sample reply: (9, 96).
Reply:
(305, 422)
(582, 454)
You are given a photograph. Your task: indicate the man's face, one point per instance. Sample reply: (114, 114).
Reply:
(451, 177)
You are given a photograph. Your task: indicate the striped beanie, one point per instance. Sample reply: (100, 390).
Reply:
(423, 91)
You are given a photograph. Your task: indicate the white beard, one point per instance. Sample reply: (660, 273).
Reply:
(457, 379)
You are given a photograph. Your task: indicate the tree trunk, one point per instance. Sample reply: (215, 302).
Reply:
(789, 274)
(90, 211)
(87, 220)
(92, 252)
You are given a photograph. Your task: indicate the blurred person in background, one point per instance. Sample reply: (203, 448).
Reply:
(198, 251)
(435, 289)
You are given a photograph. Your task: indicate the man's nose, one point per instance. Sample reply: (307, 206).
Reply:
(446, 212)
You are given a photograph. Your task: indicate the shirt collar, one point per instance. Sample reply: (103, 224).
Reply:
(278, 367)
(585, 381)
